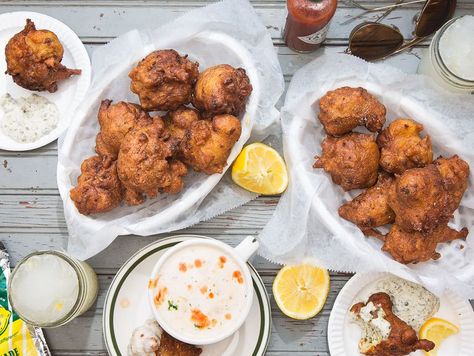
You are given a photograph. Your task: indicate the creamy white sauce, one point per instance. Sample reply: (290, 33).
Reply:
(412, 303)
(378, 321)
(200, 291)
(44, 289)
(456, 47)
(28, 119)
(371, 334)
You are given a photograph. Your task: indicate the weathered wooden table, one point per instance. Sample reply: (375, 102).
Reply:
(31, 215)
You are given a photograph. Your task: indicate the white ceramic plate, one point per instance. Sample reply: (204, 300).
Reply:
(70, 92)
(344, 336)
(126, 307)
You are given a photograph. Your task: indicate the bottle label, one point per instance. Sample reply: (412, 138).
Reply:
(317, 37)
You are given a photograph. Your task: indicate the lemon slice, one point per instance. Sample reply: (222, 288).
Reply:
(436, 330)
(260, 169)
(300, 291)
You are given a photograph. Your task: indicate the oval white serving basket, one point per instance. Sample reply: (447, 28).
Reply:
(306, 127)
(208, 48)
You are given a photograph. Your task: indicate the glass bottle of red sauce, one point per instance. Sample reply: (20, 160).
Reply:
(307, 23)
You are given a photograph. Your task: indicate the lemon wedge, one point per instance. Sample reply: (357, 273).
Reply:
(260, 169)
(300, 291)
(436, 330)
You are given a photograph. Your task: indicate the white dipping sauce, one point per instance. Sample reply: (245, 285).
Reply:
(456, 47)
(28, 119)
(200, 291)
(44, 289)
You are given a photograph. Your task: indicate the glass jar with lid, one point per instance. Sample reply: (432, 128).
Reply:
(450, 57)
(51, 288)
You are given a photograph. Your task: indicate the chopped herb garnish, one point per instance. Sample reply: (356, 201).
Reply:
(172, 306)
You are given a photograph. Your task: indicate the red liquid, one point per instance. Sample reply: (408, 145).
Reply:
(306, 24)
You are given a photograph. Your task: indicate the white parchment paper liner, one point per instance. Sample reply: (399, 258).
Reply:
(225, 32)
(306, 223)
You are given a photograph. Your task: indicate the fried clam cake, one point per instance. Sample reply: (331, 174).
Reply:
(343, 109)
(164, 80)
(351, 160)
(34, 59)
(222, 89)
(150, 340)
(401, 146)
(370, 209)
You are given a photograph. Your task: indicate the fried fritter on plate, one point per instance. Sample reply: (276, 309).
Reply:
(98, 187)
(179, 121)
(370, 209)
(116, 120)
(420, 200)
(345, 108)
(207, 144)
(169, 346)
(222, 89)
(351, 160)
(401, 339)
(413, 247)
(455, 173)
(401, 146)
(164, 80)
(145, 164)
(34, 59)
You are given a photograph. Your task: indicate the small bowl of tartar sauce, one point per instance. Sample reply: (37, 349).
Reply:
(200, 290)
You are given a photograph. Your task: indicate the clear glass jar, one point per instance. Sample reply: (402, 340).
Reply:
(432, 64)
(87, 286)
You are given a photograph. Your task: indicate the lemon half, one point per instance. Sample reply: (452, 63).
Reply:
(300, 291)
(437, 330)
(260, 169)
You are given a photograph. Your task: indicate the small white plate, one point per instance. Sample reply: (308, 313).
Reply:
(70, 92)
(126, 307)
(344, 336)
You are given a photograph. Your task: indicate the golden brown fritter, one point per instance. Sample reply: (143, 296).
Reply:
(164, 80)
(169, 346)
(402, 339)
(412, 247)
(351, 160)
(420, 200)
(455, 173)
(343, 109)
(116, 120)
(179, 121)
(145, 164)
(98, 187)
(207, 145)
(401, 146)
(222, 89)
(370, 209)
(34, 59)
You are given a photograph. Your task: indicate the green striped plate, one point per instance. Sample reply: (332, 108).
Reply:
(126, 307)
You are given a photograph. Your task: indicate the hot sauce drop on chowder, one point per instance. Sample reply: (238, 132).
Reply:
(199, 291)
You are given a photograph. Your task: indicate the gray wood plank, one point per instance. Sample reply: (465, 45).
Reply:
(44, 213)
(107, 19)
